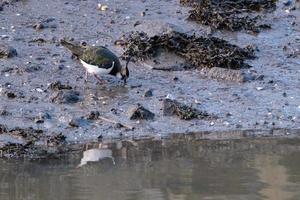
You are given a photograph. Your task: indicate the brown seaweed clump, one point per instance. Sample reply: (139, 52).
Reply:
(199, 52)
(233, 15)
(173, 107)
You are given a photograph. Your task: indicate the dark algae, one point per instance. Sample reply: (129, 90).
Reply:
(185, 112)
(230, 14)
(199, 52)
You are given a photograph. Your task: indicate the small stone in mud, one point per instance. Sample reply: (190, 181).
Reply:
(11, 95)
(7, 51)
(172, 107)
(70, 96)
(33, 68)
(93, 115)
(4, 113)
(44, 24)
(56, 140)
(139, 112)
(41, 117)
(148, 93)
(74, 123)
(3, 129)
(57, 85)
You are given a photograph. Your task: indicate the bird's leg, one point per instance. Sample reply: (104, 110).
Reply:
(86, 76)
(99, 79)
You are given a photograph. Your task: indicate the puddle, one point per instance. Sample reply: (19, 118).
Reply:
(178, 169)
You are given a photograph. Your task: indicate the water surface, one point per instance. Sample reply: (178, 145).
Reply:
(177, 169)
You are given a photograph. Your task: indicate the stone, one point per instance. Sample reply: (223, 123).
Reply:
(148, 93)
(140, 113)
(7, 51)
(57, 85)
(93, 115)
(66, 97)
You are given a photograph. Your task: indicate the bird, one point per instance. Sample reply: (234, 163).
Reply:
(97, 60)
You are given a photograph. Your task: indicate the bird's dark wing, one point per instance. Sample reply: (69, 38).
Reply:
(98, 56)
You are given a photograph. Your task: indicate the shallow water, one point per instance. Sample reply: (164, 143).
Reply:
(159, 170)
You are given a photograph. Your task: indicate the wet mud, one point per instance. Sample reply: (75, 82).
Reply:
(42, 85)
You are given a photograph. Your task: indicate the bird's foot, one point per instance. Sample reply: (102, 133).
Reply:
(100, 81)
(86, 77)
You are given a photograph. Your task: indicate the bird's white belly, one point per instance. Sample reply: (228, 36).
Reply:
(93, 69)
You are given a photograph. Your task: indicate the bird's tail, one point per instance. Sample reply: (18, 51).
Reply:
(74, 47)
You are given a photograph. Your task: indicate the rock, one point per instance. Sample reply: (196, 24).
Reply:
(48, 23)
(172, 107)
(3, 129)
(69, 96)
(7, 51)
(148, 93)
(140, 113)
(74, 123)
(57, 85)
(93, 115)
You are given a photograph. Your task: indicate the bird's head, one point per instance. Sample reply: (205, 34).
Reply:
(125, 72)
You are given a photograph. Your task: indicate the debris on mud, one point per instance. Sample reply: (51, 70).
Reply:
(7, 51)
(57, 85)
(93, 115)
(173, 107)
(65, 97)
(47, 23)
(29, 142)
(140, 113)
(230, 14)
(199, 52)
(41, 117)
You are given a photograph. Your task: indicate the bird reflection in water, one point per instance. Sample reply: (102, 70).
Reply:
(96, 154)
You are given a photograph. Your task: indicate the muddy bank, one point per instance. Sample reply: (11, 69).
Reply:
(34, 144)
(42, 86)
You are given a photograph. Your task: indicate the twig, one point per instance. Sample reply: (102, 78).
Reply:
(116, 122)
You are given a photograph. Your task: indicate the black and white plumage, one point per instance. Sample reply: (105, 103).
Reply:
(97, 60)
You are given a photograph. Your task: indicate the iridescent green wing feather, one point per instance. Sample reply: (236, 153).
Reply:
(98, 56)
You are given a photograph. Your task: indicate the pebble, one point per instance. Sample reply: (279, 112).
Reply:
(148, 93)
(140, 113)
(7, 51)
(102, 7)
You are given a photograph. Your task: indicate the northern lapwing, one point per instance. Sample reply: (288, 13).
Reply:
(97, 60)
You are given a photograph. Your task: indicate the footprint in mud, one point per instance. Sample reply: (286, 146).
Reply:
(104, 93)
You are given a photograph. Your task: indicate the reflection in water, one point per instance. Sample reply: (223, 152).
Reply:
(275, 176)
(94, 155)
(175, 169)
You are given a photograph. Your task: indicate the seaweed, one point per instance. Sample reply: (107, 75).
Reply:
(173, 107)
(199, 52)
(233, 15)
